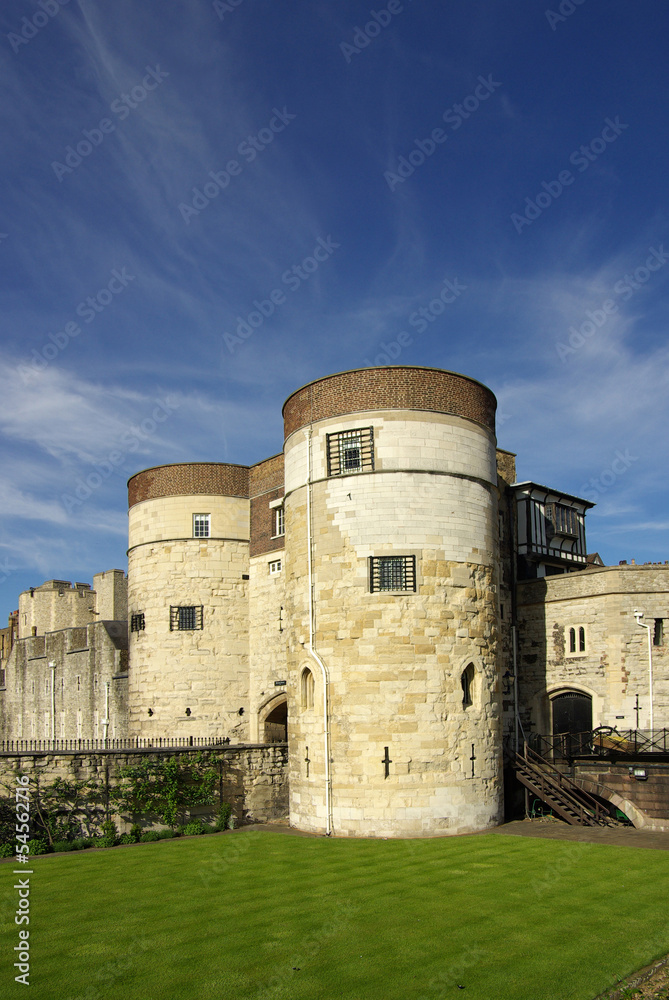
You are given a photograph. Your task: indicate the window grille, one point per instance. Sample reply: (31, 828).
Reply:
(392, 573)
(350, 451)
(201, 523)
(137, 623)
(564, 519)
(186, 618)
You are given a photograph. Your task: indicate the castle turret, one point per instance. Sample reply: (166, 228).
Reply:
(188, 570)
(391, 607)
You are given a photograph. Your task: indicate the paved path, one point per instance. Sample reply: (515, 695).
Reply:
(626, 836)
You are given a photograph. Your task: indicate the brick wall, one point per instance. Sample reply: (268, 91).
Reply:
(187, 479)
(389, 388)
(265, 485)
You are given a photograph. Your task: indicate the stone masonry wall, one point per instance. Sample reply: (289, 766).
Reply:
(614, 667)
(86, 659)
(254, 778)
(395, 660)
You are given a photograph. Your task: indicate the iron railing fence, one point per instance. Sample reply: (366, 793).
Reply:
(117, 743)
(605, 741)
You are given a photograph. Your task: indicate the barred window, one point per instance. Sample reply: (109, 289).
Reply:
(350, 451)
(201, 525)
(564, 519)
(186, 618)
(392, 573)
(137, 623)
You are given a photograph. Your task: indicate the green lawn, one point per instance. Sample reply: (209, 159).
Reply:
(258, 915)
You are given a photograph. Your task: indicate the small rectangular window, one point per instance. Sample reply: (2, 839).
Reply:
(201, 525)
(658, 632)
(392, 573)
(350, 451)
(137, 623)
(279, 522)
(2, 678)
(186, 618)
(275, 567)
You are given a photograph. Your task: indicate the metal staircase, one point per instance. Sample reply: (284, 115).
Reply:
(567, 800)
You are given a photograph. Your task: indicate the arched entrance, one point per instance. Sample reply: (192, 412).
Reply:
(572, 720)
(274, 728)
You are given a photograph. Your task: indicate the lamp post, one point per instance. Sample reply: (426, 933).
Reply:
(638, 615)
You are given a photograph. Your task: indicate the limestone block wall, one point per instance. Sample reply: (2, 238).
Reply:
(614, 667)
(253, 778)
(189, 681)
(87, 659)
(395, 660)
(111, 590)
(54, 605)
(267, 639)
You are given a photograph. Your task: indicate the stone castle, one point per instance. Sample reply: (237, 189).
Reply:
(382, 593)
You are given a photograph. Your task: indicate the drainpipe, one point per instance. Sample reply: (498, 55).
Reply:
(514, 638)
(53, 699)
(314, 655)
(638, 616)
(105, 721)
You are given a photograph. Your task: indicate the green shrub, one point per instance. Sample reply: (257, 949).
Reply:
(81, 843)
(63, 845)
(224, 816)
(37, 846)
(149, 837)
(136, 831)
(126, 838)
(6, 850)
(193, 829)
(165, 834)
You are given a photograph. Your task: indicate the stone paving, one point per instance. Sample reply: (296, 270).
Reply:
(625, 836)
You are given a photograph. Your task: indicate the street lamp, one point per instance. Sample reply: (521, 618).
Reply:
(638, 615)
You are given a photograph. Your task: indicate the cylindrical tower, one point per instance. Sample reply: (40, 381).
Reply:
(188, 571)
(391, 539)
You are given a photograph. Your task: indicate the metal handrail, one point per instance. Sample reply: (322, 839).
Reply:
(566, 784)
(626, 743)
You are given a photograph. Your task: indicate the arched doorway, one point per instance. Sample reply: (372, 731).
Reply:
(572, 720)
(275, 726)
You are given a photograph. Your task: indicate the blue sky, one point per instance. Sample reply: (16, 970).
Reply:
(206, 205)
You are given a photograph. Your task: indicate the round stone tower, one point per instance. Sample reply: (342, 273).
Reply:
(391, 607)
(188, 570)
